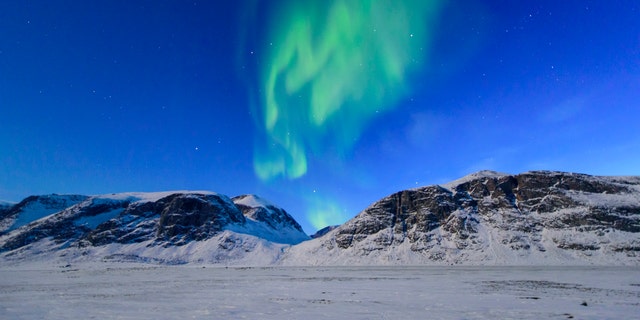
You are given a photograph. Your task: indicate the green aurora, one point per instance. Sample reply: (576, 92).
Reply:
(330, 67)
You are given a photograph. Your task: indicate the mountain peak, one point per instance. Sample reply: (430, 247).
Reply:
(269, 218)
(474, 176)
(252, 200)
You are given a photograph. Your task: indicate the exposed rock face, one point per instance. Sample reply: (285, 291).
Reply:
(173, 220)
(489, 216)
(196, 217)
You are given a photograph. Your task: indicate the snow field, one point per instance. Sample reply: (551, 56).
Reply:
(142, 291)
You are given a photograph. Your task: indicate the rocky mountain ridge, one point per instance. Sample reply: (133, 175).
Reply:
(138, 225)
(538, 217)
(487, 218)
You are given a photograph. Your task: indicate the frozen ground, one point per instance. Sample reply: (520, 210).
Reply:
(139, 291)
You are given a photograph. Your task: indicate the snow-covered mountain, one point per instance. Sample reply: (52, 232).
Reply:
(13, 216)
(269, 221)
(537, 217)
(172, 227)
(6, 204)
(323, 231)
(4, 207)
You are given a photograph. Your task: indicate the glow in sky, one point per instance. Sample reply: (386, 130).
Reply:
(331, 67)
(351, 100)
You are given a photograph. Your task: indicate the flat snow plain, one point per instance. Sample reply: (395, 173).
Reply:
(140, 291)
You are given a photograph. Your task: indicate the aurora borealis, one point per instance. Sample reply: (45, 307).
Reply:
(322, 107)
(333, 65)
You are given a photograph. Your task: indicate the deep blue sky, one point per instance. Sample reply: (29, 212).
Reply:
(115, 96)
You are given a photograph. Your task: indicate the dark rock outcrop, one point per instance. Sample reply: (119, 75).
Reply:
(196, 217)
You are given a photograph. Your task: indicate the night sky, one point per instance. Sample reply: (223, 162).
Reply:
(322, 107)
